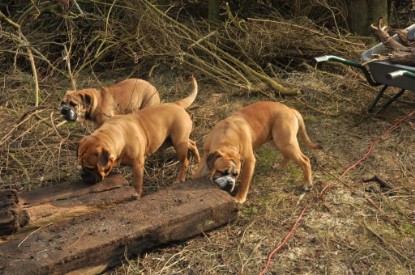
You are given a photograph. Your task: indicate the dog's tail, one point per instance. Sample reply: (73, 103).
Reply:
(303, 132)
(186, 102)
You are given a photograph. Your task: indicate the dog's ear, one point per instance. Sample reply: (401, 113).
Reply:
(80, 149)
(211, 158)
(105, 162)
(103, 159)
(87, 100)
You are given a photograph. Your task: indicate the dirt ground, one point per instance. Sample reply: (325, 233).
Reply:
(349, 226)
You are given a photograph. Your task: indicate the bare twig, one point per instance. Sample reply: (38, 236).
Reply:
(232, 63)
(20, 164)
(29, 53)
(31, 233)
(382, 183)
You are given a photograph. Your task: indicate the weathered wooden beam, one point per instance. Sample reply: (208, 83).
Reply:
(61, 201)
(94, 242)
(9, 212)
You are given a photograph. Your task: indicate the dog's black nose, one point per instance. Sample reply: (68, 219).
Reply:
(228, 187)
(89, 178)
(65, 110)
(68, 112)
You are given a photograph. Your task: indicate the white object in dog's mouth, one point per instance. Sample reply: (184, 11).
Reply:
(225, 181)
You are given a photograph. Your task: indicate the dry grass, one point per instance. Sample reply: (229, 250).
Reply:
(355, 227)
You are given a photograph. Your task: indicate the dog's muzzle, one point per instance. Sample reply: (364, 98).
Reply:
(90, 177)
(226, 182)
(68, 112)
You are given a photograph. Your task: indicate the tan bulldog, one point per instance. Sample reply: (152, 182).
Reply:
(130, 139)
(229, 147)
(98, 105)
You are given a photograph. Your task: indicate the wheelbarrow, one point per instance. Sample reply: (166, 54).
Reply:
(381, 72)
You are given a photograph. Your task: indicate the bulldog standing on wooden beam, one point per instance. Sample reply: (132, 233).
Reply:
(130, 139)
(124, 97)
(229, 147)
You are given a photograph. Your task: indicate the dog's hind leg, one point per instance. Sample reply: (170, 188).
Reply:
(182, 150)
(282, 164)
(286, 142)
(193, 149)
(292, 152)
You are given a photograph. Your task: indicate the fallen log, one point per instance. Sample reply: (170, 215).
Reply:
(94, 242)
(10, 216)
(28, 210)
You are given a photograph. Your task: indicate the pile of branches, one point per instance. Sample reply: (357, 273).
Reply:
(67, 38)
(400, 45)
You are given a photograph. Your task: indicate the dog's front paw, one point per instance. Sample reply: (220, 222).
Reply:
(239, 200)
(307, 187)
(179, 180)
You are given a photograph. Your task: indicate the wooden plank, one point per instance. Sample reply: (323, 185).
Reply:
(27, 210)
(69, 190)
(94, 242)
(9, 219)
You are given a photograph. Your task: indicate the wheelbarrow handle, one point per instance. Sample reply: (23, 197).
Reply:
(324, 58)
(350, 63)
(338, 59)
(400, 73)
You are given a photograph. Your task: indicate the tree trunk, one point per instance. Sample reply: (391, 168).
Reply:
(362, 13)
(213, 10)
(358, 18)
(378, 9)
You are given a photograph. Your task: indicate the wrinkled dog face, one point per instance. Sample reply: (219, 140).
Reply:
(74, 105)
(95, 162)
(89, 169)
(225, 170)
(226, 178)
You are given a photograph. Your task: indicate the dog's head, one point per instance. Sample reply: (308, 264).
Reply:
(95, 160)
(77, 105)
(225, 167)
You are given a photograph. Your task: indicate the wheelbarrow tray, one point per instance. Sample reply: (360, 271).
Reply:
(381, 72)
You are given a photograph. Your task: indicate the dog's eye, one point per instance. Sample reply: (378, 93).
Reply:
(235, 173)
(225, 173)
